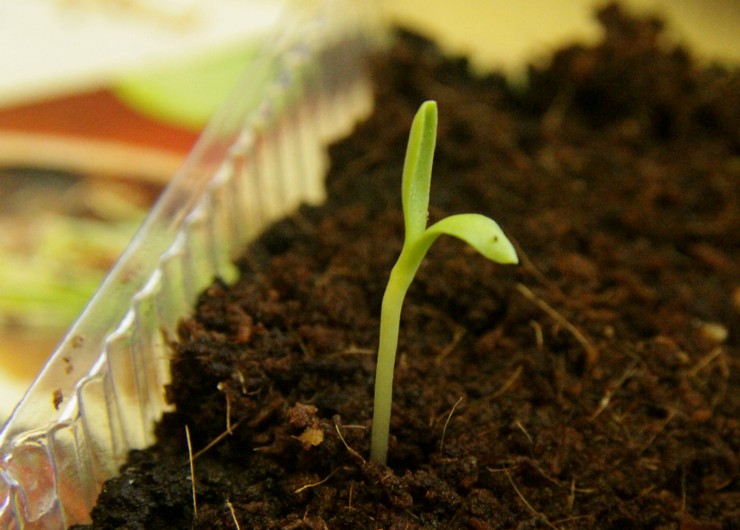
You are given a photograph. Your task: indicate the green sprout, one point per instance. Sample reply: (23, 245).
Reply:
(478, 231)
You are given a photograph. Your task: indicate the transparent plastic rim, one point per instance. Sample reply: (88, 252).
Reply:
(263, 154)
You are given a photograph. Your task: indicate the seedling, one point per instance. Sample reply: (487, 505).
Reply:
(478, 231)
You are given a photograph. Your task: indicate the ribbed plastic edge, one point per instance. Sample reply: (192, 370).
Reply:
(263, 154)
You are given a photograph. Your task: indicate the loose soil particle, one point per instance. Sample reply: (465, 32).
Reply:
(593, 386)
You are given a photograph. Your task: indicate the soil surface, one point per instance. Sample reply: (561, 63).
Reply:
(595, 385)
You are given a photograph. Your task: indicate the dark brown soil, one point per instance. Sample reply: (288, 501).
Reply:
(594, 386)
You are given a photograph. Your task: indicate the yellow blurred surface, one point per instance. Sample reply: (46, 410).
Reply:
(507, 35)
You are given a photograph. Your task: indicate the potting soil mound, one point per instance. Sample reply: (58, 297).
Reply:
(595, 385)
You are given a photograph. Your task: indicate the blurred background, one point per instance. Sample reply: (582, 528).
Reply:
(101, 100)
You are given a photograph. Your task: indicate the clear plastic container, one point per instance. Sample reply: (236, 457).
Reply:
(102, 390)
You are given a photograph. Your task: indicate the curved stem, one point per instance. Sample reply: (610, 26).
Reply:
(390, 315)
(402, 274)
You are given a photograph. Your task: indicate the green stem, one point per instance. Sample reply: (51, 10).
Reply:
(401, 276)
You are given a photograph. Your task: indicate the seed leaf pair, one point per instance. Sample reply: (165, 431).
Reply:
(478, 231)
